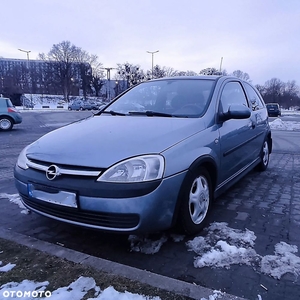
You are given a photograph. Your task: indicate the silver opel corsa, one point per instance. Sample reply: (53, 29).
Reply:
(156, 156)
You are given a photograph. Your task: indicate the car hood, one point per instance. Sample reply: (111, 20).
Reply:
(101, 141)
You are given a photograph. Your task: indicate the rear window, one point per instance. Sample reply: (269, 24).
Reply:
(5, 102)
(9, 103)
(274, 106)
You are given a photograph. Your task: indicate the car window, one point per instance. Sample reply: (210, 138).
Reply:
(232, 93)
(9, 103)
(180, 97)
(255, 101)
(273, 106)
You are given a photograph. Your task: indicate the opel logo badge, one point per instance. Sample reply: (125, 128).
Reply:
(52, 172)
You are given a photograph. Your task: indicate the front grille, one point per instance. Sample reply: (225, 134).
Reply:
(107, 220)
(61, 169)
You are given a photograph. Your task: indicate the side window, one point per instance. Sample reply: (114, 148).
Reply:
(253, 97)
(232, 93)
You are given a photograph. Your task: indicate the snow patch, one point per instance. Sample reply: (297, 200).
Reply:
(284, 125)
(75, 291)
(224, 246)
(7, 267)
(284, 261)
(16, 199)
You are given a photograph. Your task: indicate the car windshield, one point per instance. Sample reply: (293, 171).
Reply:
(165, 98)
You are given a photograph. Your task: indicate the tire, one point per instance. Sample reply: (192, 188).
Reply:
(69, 108)
(81, 108)
(6, 123)
(196, 198)
(265, 157)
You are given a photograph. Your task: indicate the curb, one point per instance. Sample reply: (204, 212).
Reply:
(155, 280)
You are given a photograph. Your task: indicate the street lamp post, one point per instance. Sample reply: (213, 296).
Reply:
(152, 53)
(30, 80)
(221, 64)
(108, 79)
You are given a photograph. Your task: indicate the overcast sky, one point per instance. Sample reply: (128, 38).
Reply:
(260, 37)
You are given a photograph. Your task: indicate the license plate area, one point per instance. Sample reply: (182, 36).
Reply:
(52, 195)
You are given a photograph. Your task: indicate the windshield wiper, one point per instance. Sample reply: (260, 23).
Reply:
(150, 113)
(111, 112)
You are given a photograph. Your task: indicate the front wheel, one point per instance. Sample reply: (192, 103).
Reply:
(265, 157)
(196, 200)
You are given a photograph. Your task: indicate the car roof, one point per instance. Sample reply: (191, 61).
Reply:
(203, 77)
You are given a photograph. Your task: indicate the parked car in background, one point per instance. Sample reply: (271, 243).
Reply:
(9, 115)
(273, 109)
(79, 105)
(94, 105)
(164, 150)
(61, 102)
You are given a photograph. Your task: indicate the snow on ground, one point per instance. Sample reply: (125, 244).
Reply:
(15, 198)
(30, 290)
(224, 246)
(7, 267)
(284, 125)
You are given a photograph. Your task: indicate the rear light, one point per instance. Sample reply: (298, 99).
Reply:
(12, 109)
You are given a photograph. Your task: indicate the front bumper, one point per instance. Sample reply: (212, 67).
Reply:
(128, 208)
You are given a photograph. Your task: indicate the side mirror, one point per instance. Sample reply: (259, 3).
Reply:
(236, 111)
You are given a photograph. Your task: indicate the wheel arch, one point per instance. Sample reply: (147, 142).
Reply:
(206, 162)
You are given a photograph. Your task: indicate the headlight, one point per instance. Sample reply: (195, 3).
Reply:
(22, 159)
(137, 169)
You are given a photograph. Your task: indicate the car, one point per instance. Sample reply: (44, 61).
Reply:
(153, 159)
(79, 105)
(273, 109)
(94, 105)
(61, 102)
(9, 115)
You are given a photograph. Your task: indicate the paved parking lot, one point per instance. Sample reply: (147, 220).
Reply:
(266, 203)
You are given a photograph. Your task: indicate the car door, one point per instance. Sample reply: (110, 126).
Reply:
(259, 117)
(236, 135)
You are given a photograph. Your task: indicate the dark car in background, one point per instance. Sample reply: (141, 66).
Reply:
(273, 109)
(9, 115)
(154, 157)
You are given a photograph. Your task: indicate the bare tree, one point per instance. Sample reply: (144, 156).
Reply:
(290, 96)
(210, 71)
(64, 58)
(273, 90)
(158, 72)
(133, 74)
(170, 72)
(242, 75)
(97, 75)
